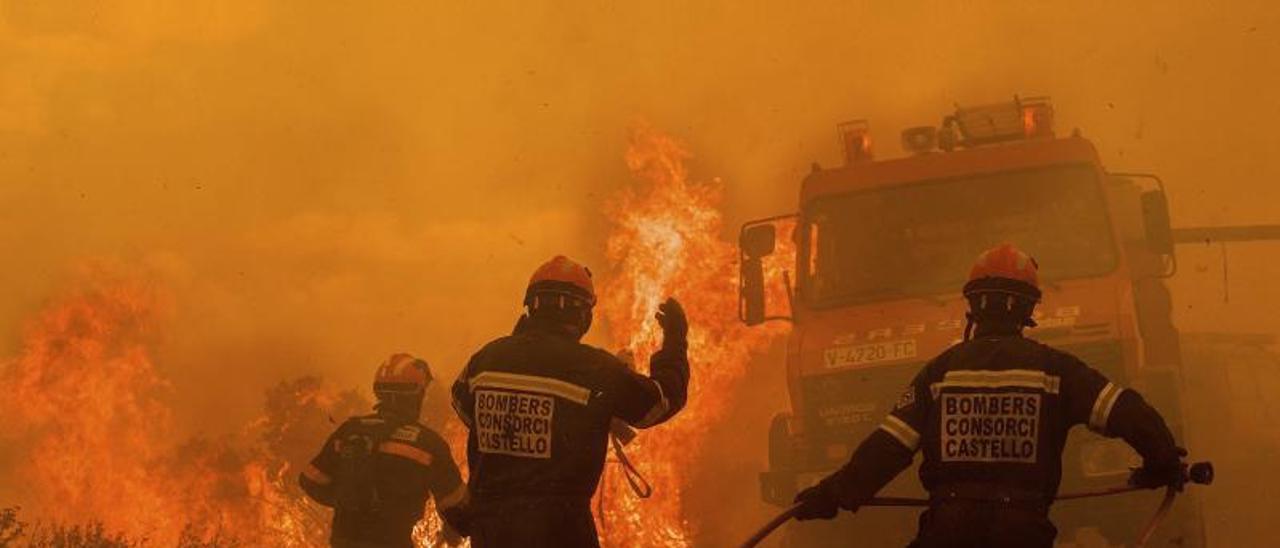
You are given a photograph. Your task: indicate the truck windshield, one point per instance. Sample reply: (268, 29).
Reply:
(921, 239)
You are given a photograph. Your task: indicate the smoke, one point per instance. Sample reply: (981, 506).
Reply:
(319, 185)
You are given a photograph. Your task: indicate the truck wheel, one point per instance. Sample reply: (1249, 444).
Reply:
(781, 452)
(778, 483)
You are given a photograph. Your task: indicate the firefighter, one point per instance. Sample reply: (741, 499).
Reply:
(991, 415)
(376, 471)
(539, 405)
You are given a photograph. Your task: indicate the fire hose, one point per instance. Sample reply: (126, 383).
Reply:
(639, 485)
(620, 434)
(1200, 473)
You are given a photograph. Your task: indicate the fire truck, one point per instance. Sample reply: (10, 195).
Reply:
(881, 250)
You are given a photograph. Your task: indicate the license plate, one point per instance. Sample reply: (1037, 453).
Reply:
(862, 354)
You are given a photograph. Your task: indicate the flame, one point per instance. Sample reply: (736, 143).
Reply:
(666, 241)
(61, 397)
(89, 411)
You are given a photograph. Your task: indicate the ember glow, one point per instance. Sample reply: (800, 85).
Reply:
(667, 239)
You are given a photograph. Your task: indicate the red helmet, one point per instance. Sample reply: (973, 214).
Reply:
(402, 374)
(1004, 269)
(559, 278)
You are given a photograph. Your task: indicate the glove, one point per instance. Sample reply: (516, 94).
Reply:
(1154, 475)
(675, 326)
(817, 502)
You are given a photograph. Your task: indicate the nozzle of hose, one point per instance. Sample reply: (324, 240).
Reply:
(1201, 473)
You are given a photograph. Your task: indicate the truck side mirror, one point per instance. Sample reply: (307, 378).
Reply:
(755, 243)
(1155, 217)
(758, 241)
(751, 291)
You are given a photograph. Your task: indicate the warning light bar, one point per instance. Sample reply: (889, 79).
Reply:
(1030, 118)
(856, 141)
(1037, 119)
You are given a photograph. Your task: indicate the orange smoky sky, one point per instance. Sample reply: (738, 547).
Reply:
(318, 184)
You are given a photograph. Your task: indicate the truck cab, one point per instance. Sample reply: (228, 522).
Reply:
(881, 250)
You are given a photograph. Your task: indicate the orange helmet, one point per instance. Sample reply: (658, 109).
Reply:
(559, 278)
(1005, 269)
(402, 373)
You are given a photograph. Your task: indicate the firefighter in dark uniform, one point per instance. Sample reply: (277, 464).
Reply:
(376, 471)
(991, 415)
(539, 406)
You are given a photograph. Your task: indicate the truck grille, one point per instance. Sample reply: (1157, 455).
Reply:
(846, 406)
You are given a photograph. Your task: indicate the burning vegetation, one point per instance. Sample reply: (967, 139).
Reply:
(94, 454)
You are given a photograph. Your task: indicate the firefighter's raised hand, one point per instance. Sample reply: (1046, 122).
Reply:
(816, 502)
(675, 326)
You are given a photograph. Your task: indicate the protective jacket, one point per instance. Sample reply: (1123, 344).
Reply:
(539, 405)
(377, 471)
(991, 416)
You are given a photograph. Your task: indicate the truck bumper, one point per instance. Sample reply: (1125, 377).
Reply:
(779, 488)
